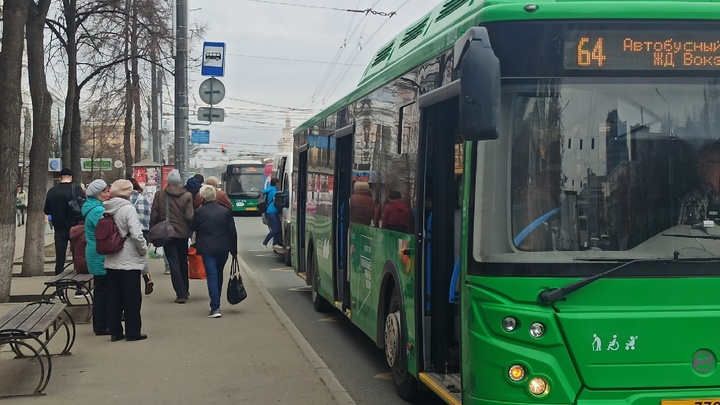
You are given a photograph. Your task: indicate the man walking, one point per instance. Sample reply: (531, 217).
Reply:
(56, 205)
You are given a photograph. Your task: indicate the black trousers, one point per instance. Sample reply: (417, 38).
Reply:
(176, 253)
(124, 295)
(100, 304)
(62, 237)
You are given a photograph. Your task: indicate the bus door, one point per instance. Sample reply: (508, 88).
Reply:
(341, 212)
(438, 195)
(301, 196)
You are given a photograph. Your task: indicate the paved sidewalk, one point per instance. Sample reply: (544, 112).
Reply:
(253, 354)
(20, 240)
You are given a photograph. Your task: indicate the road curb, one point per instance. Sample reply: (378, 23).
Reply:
(327, 376)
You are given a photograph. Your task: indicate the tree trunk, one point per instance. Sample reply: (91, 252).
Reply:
(14, 15)
(34, 250)
(154, 103)
(127, 129)
(75, 139)
(70, 11)
(134, 54)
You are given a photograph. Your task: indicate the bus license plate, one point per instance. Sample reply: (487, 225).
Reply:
(704, 401)
(255, 209)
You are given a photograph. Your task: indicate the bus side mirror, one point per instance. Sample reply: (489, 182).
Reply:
(479, 85)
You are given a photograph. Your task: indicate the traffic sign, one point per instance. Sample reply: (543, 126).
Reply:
(200, 135)
(211, 114)
(54, 164)
(96, 164)
(212, 91)
(213, 59)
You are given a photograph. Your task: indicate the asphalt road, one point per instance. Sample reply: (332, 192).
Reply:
(357, 364)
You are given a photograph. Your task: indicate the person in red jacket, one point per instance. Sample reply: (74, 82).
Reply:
(396, 215)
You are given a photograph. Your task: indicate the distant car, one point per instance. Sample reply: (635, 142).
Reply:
(213, 56)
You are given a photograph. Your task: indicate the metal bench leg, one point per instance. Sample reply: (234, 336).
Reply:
(66, 290)
(17, 341)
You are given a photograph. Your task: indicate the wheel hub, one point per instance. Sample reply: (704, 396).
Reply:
(392, 338)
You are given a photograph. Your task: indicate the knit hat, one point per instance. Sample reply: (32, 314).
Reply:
(212, 181)
(361, 187)
(95, 188)
(174, 177)
(66, 172)
(122, 189)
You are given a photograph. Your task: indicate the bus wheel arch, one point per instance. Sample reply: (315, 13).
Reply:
(393, 334)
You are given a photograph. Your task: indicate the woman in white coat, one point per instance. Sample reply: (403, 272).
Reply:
(124, 267)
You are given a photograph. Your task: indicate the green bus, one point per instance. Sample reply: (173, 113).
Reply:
(509, 203)
(243, 181)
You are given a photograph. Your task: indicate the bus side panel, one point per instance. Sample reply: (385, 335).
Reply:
(371, 251)
(319, 232)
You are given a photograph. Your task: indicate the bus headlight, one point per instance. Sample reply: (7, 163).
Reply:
(516, 372)
(537, 330)
(538, 386)
(509, 324)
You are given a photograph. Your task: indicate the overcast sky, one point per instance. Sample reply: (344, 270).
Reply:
(287, 58)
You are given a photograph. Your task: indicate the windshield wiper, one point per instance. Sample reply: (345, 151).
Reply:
(552, 295)
(684, 235)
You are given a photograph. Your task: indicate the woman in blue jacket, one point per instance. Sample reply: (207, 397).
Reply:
(272, 215)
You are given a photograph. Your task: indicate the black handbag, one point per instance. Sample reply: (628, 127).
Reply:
(163, 232)
(236, 292)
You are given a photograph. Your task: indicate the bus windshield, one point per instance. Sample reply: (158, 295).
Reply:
(615, 165)
(244, 185)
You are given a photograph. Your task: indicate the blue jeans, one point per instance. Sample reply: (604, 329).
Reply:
(214, 265)
(275, 231)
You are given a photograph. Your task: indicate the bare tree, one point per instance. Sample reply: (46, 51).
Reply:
(34, 253)
(14, 16)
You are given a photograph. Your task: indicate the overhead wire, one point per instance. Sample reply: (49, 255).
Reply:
(343, 75)
(348, 36)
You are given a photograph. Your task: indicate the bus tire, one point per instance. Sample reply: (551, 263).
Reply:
(288, 260)
(319, 303)
(395, 343)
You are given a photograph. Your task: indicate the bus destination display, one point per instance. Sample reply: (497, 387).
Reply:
(641, 50)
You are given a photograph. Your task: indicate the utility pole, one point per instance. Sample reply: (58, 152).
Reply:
(181, 96)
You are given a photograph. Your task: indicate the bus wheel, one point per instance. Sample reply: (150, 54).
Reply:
(319, 303)
(395, 342)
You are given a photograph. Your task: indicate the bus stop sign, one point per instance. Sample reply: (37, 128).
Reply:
(213, 59)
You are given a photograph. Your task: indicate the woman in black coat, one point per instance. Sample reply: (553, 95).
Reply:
(215, 237)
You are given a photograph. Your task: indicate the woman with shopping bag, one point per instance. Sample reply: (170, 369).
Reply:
(215, 237)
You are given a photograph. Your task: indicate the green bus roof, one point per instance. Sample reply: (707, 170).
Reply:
(439, 29)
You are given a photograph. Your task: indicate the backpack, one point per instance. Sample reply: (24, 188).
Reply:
(107, 236)
(282, 200)
(75, 204)
(77, 247)
(262, 203)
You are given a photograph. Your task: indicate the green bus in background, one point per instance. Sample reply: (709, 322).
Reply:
(243, 181)
(509, 203)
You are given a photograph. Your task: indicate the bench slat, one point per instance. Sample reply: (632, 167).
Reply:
(34, 318)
